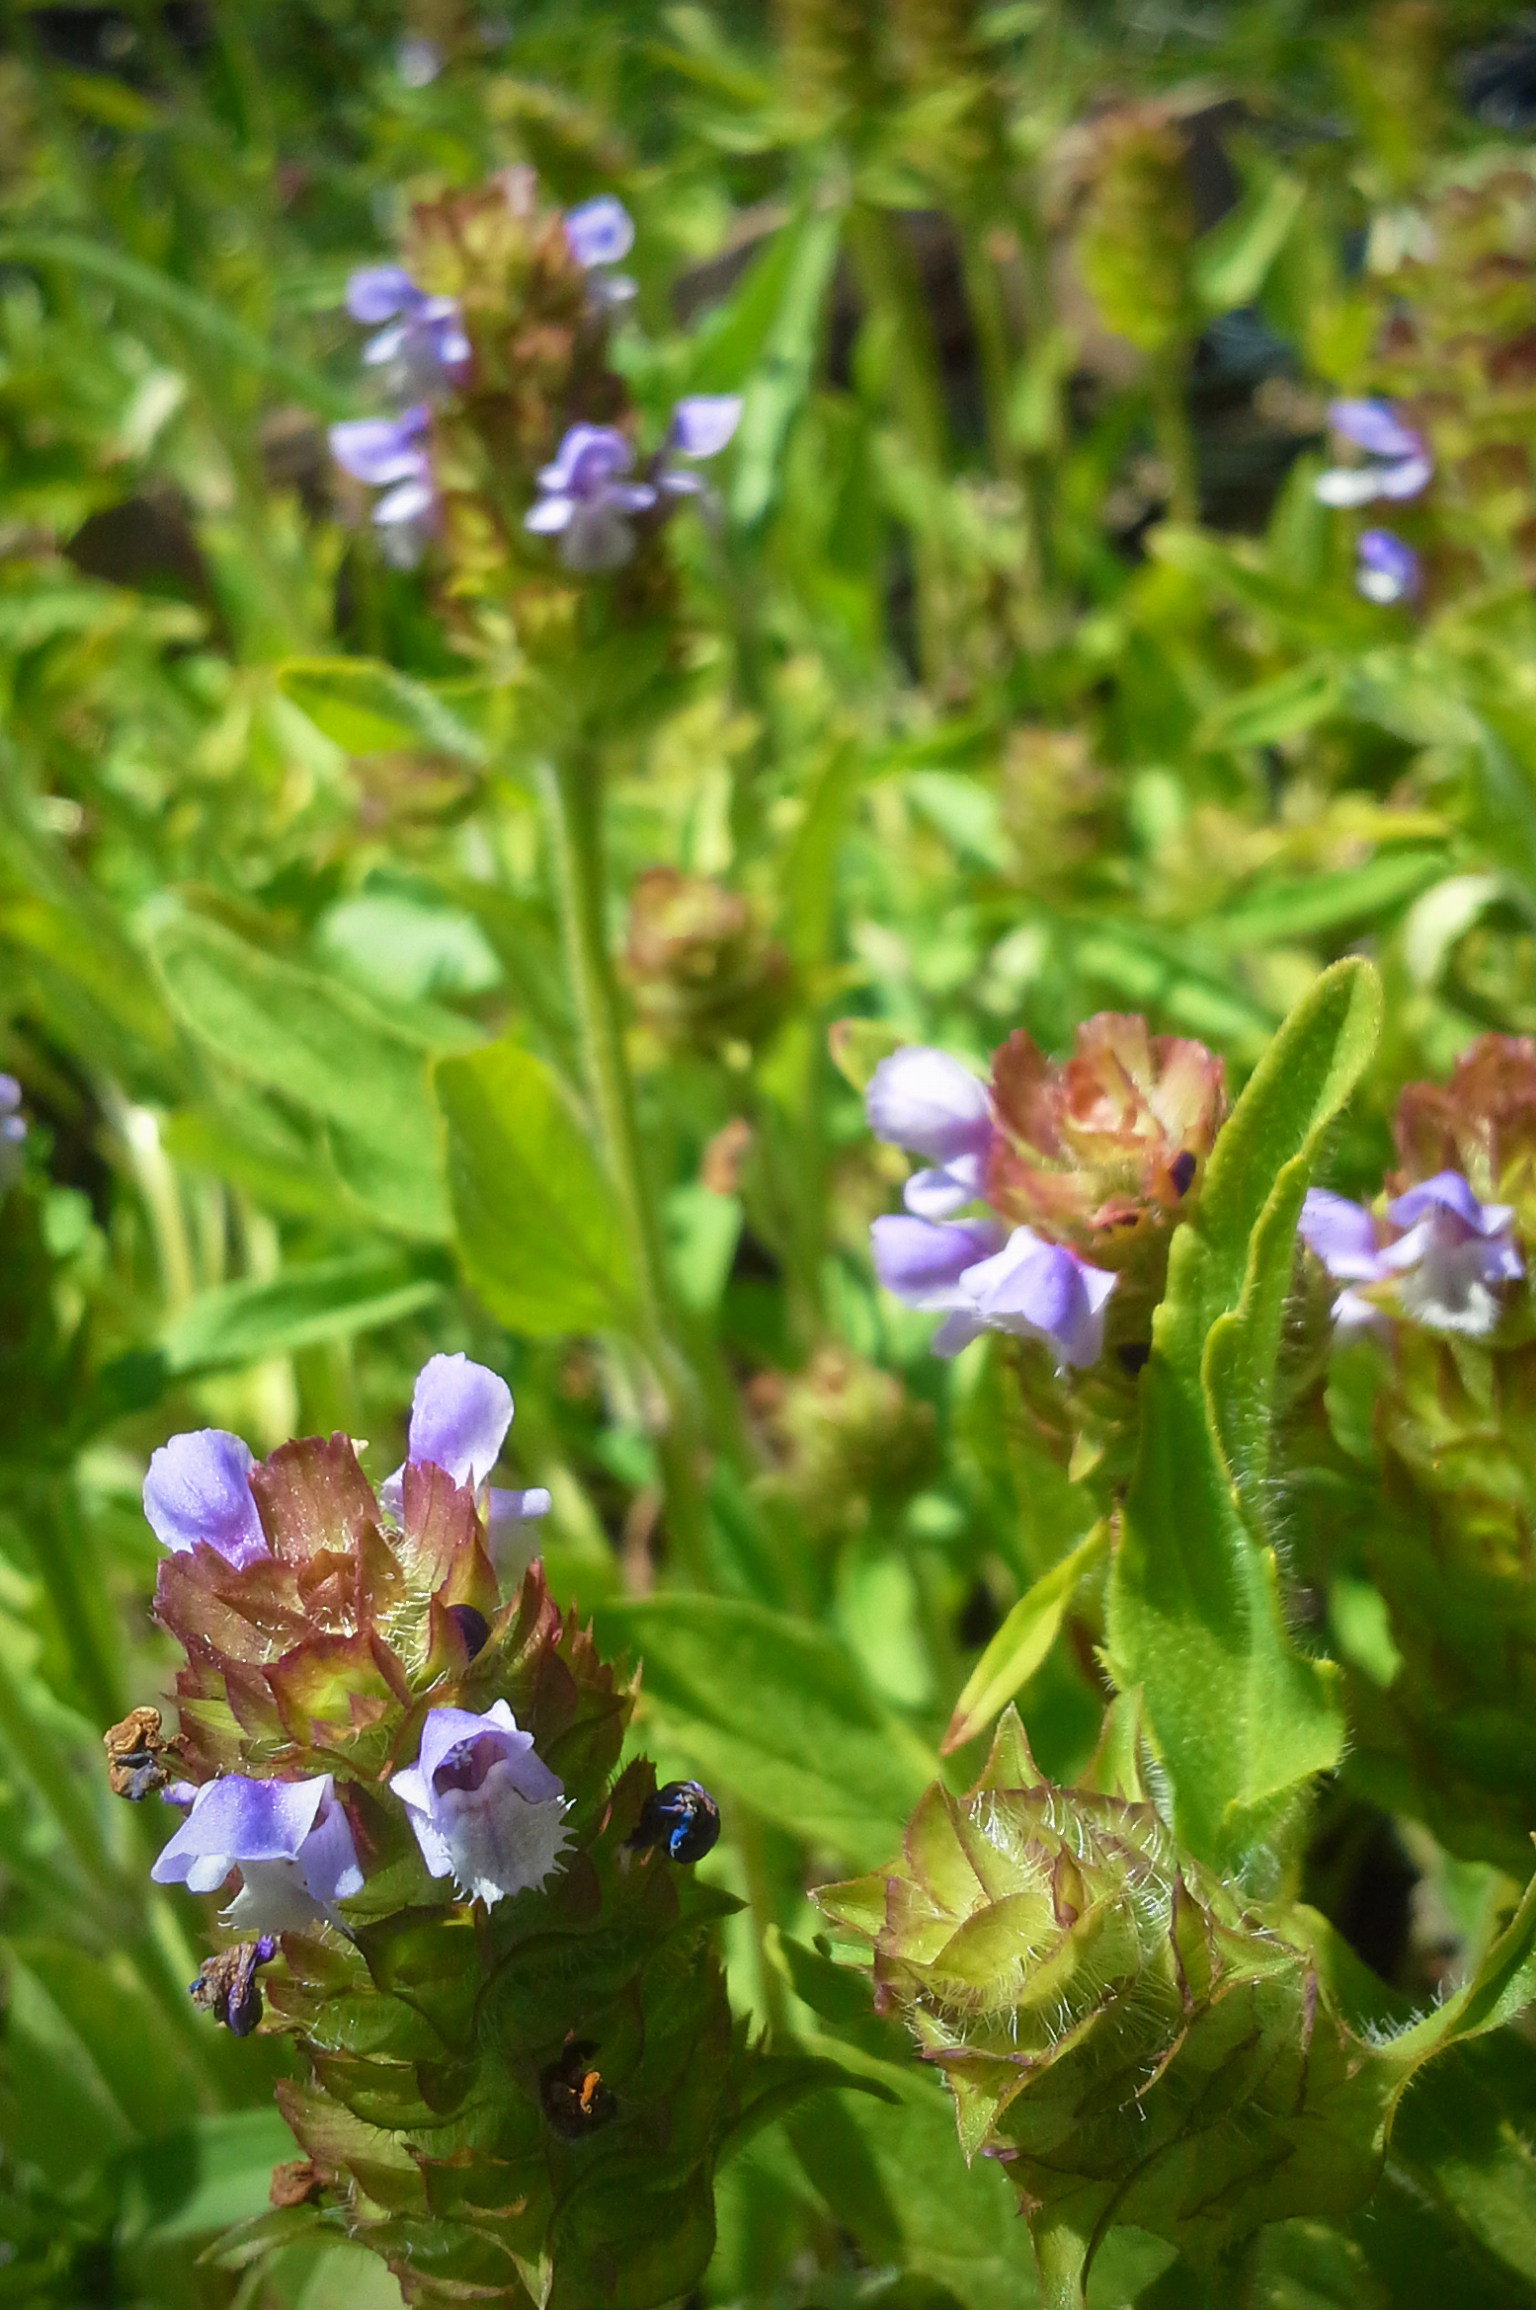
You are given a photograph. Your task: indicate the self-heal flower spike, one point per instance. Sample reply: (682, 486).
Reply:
(485, 1810)
(390, 453)
(290, 1840)
(198, 1489)
(1386, 570)
(587, 502)
(1398, 463)
(423, 343)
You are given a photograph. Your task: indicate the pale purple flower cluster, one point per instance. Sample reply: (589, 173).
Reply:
(481, 1804)
(1386, 570)
(590, 496)
(1397, 466)
(13, 1131)
(1445, 1256)
(422, 343)
(979, 1276)
(601, 232)
(391, 453)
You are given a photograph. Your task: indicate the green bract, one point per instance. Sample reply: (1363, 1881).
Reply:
(1134, 2043)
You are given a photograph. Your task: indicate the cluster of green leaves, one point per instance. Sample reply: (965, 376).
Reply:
(1021, 675)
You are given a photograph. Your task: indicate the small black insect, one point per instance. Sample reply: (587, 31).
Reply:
(683, 1817)
(576, 2101)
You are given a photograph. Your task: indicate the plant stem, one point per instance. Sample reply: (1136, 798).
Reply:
(1168, 381)
(574, 788)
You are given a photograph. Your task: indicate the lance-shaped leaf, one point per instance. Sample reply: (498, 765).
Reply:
(1195, 1613)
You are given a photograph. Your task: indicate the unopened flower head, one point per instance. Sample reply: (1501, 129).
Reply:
(485, 1810)
(391, 453)
(1397, 463)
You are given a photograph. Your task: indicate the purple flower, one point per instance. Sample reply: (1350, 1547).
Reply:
(13, 1131)
(587, 503)
(290, 1840)
(926, 1101)
(418, 60)
(1455, 1255)
(390, 453)
(424, 344)
(1033, 1290)
(922, 1260)
(485, 1810)
(1447, 1262)
(198, 1488)
(702, 425)
(1398, 463)
(1024, 1286)
(1386, 570)
(601, 231)
(460, 1414)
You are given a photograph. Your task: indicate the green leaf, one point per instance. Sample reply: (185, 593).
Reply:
(1234, 257)
(538, 1225)
(198, 316)
(775, 1711)
(244, 1323)
(769, 338)
(1195, 1614)
(204, 2176)
(1022, 1642)
(368, 708)
(1282, 708)
(1307, 905)
(326, 1047)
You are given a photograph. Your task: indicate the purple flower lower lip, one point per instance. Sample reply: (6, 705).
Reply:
(922, 1260)
(484, 1809)
(390, 453)
(198, 1489)
(290, 1840)
(1040, 1290)
(1447, 1265)
(586, 502)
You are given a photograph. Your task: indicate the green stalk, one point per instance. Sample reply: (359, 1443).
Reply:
(574, 790)
(71, 1579)
(893, 292)
(126, 1912)
(1168, 383)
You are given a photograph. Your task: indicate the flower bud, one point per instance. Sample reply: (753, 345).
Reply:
(703, 975)
(1129, 2038)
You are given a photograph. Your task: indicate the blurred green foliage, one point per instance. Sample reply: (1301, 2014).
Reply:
(1019, 675)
